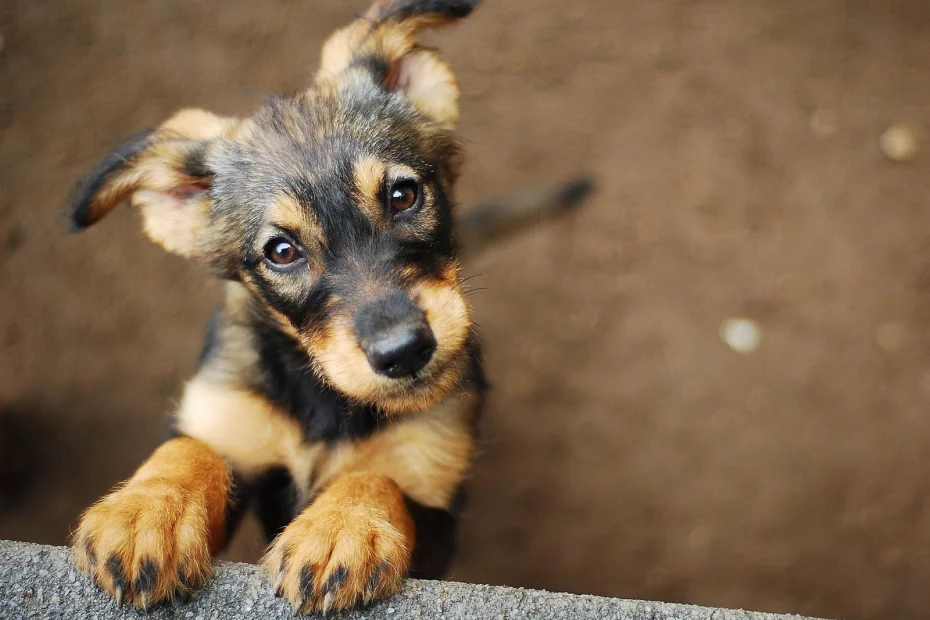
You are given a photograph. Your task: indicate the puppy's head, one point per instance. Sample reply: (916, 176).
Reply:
(332, 206)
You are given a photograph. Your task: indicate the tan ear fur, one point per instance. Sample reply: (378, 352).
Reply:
(162, 173)
(429, 84)
(388, 33)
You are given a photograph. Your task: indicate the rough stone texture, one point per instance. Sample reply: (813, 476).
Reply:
(40, 582)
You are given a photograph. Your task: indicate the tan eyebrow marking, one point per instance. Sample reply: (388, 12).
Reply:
(288, 213)
(369, 181)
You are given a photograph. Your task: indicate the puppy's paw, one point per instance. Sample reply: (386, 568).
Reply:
(335, 557)
(145, 542)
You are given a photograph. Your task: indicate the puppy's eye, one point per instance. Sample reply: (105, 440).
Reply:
(280, 251)
(403, 196)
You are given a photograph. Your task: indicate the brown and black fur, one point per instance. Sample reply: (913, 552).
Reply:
(338, 392)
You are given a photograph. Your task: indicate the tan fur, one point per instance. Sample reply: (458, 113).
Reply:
(177, 222)
(428, 455)
(429, 84)
(247, 429)
(352, 545)
(344, 364)
(154, 536)
(369, 176)
(448, 314)
(170, 515)
(426, 81)
(180, 229)
(196, 124)
(285, 212)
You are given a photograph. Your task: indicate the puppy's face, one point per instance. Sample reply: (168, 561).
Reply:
(332, 206)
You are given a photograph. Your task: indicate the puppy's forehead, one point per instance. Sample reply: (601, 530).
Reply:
(323, 132)
(324, 139)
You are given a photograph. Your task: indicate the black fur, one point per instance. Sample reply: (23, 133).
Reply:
(87, 188)
(392, 309)
(195, 164)
(359, 264)
(240, 497)
(277, 501)
(436, 537)
(287, 380)
(405, 9)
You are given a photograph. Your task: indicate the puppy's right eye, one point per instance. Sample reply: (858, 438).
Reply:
(281, 251)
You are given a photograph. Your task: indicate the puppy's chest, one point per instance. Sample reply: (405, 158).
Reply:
(327, 433)
(255, 433)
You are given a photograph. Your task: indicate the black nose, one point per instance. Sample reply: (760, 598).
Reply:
(401, 351)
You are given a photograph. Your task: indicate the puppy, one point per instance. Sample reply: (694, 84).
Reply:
(341, 382)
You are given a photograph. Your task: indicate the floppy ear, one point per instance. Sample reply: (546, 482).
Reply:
(163, 172)
(384, 43)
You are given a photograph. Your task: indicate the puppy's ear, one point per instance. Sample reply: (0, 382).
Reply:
(383, 44)
(164, 173)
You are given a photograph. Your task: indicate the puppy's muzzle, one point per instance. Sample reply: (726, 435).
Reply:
(395, 336)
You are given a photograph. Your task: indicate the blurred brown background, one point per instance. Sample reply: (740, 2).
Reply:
(628, 451)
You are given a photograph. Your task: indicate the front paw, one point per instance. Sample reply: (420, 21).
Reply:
(146, 542)
(336, 557)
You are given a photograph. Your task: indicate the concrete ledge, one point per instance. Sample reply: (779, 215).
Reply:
(40, 582)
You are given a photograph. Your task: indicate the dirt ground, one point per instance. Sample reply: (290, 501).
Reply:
(628, 451)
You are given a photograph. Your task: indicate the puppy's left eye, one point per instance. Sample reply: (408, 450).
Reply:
(281, 252)
(403, 196)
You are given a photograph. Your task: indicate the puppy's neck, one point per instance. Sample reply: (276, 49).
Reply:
(285, 376)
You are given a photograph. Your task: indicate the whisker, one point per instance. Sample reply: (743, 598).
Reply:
(464, 280)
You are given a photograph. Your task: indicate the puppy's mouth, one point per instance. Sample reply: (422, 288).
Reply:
(407, 393)
(402, 352)
(424, 389)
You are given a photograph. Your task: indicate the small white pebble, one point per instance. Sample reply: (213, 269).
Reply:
(741, 335)
(890, 336)
(823, 123)
(899, 143)
(390, 610)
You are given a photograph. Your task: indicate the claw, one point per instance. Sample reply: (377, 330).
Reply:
(327, 603)
(144, 601)
(372, 585)
(118, 595)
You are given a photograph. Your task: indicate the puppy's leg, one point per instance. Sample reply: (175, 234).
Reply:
(155, 535)
(352, 545)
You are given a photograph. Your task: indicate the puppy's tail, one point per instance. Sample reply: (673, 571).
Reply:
(482, 226)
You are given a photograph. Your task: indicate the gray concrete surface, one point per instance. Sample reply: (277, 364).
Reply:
(37, 581)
